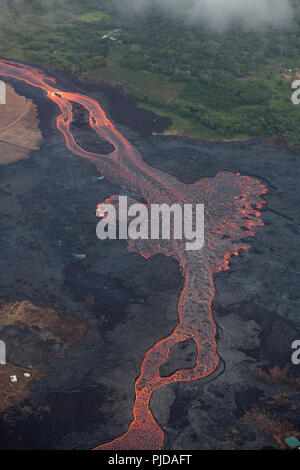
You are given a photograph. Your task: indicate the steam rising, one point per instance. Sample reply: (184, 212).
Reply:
(221, 13)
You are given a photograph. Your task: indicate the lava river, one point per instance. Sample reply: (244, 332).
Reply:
(232, 213)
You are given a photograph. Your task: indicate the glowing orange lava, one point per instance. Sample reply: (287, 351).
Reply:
(232, 213)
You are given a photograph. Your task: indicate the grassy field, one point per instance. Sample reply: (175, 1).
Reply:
(151, 85)
(188, 127)
(91, 17)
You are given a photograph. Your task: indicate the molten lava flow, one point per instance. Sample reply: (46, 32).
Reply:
(232, 213)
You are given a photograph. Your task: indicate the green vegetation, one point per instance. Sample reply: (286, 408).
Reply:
(92, 17)
(138, 81)
(227, 85)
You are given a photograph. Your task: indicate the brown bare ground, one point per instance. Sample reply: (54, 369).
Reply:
(276, 375)
(51, 324)
(262, 417)
(19, 131)
(12, 394)
(270, 424)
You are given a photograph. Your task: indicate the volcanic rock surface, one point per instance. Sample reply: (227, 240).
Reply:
(121, 304)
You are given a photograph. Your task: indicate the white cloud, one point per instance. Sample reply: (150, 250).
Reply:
(220, 13)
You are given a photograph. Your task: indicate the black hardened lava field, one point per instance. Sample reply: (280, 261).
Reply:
(149, 229)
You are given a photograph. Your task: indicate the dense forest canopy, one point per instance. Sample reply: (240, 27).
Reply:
(229, 80)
